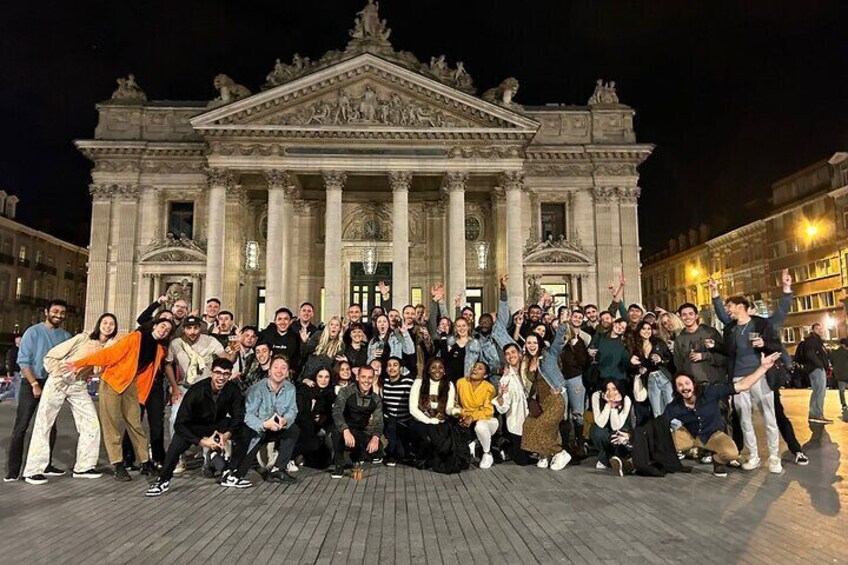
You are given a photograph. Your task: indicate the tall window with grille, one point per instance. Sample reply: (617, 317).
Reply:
(553, 219)
(181, 219)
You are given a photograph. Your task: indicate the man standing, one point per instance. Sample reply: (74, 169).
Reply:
(817, 362)
(591, 322)
(13, 371)
(210, 414)
(225, 331)
(210, 315)
(35, 343)
(283, 339)
(242, 353)
(358, 419)
(746, 337)
(697, 350)
(304, 319)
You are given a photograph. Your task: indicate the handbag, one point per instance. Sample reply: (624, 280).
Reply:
(534, 407)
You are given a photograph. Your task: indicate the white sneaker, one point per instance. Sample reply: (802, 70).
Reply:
(560, 460)
(751, 464)
(600, 466)
(472, 447)
(542, 463)
(801, 459)
(775, 466)
(707, 459)
(292, 467)
(486, 461)
(180, 468)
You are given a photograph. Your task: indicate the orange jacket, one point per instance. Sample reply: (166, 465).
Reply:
(120, 362)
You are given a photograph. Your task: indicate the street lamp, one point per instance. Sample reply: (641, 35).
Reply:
(369, 259)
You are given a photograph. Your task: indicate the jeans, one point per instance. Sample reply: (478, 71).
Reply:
(818, 381)
(606, 448)
(843, 386)
(576, 398)
(14, 386)
(398, 436)
(785, 425)
(283, 440)
(27, 406)
(358, 452)
(155, 410)
(659, 392)
(762, 395)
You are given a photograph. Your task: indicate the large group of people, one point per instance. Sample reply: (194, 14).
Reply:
(547, 386)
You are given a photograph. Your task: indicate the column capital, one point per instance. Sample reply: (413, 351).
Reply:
(236, 193)
(103, 191)
(602, 194)
(334, 180)
(277, 178)
(512, 180)
(220, 177)
(628, 195)
(400, 180)
(455, 181)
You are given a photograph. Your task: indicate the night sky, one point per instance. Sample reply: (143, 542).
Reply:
(733, 96)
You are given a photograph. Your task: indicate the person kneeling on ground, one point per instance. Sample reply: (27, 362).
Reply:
(358, 419)
(611, 431)
(270, 413)
(210, 413)
(696, 419)
(475, 397)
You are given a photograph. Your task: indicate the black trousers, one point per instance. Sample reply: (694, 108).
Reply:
(27, 406)
(155, 410)
(358, 452)
(518, 455)
(179, 445)
(284, 442)
(399, 437)
(785, 425)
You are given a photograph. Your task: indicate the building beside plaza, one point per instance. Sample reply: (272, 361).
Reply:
(362, 165)
(805, 230)
(34, 268)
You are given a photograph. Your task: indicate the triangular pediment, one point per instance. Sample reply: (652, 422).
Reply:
(365, 92)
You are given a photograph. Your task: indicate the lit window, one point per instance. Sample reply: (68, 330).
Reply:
(19, 288)
(251, 256)
(22, 253)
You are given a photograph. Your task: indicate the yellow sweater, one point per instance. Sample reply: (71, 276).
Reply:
(476, 402)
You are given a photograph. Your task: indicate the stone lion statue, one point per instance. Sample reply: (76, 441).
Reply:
(503, 93)
(228, 90)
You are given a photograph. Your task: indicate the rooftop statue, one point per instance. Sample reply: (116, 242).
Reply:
(129, 90)
(604, 93)
(228, 90)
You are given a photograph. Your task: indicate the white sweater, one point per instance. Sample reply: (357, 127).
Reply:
(616, 418)
(514, 403)
(415, 395)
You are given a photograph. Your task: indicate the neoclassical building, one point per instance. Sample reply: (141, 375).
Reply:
(364, 165)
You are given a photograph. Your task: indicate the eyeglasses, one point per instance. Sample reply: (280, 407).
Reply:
(219, 373)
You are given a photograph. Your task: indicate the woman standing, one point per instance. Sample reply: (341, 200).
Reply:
(457, 345)
(651, 361)
(322, 349)
(669, 326)
(128, 370)
(74, 389)
(340, 375)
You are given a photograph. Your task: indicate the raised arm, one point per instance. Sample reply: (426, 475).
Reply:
(785, 302)
(148, 314)
(718, 304)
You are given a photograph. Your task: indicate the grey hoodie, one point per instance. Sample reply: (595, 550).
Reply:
(713, 369)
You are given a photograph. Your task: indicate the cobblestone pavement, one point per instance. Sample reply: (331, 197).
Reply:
(507, 514)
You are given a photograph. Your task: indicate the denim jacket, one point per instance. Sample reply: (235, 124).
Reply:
(399, 344)
(262, 403)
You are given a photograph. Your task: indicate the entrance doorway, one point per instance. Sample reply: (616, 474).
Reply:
(364, 289)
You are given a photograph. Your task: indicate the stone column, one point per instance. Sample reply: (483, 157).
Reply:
(196, 292)
(333, 184)
(150, 220)
(219, 180)
(98, 252)
(630, 263)
(400, 183)
(278, 248)
(126, 206)
(513, 183)
(157, 286)
(142, 291)
(607, 261)
(234, 248)
(454, 184)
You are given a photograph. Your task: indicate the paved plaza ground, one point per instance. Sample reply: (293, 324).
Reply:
(507, 514)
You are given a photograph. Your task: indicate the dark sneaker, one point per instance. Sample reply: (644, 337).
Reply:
(208, 473)
(629, 468)
(337, 472)
(52, 471)
(233, 481)
(149, 469)
(36, 480)
(617, 465)
(158, 488)
(10, 478)
(719, 470)
(89, 474)
(801, 459)
(390, 461)
(121, 473)
(133, 466)
(280, 476)
(376, 460)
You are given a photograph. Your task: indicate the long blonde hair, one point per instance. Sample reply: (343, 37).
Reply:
(676, 326)
(330, 346)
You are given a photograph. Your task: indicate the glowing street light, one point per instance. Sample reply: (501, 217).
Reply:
(811, 230)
